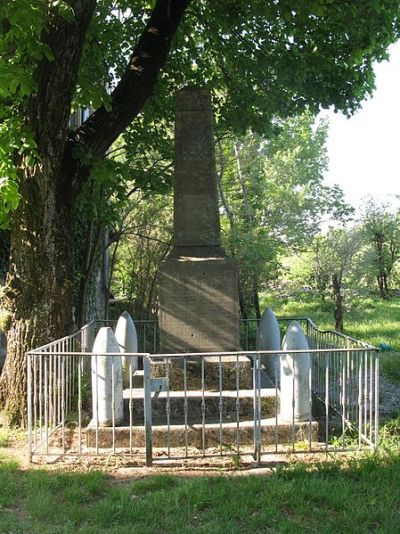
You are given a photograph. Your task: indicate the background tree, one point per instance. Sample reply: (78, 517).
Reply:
(274, 199)
(275, 56)
(381, 231)
(333, 260)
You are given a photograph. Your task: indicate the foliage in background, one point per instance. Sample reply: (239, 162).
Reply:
(138, 249)
(369, 318)
(381, 231)
(274, 199)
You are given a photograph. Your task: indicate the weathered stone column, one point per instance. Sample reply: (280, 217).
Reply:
(199, 309)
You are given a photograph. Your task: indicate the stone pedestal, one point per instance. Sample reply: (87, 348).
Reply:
(198, 305)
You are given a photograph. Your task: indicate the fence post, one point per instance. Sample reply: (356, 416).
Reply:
(147, 410)
(376, 399)
(256, 407)
(29, 377)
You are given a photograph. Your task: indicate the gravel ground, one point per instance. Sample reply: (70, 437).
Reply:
(389, 397)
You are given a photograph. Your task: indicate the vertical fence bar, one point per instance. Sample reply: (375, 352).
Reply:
(51, 387)
(59, 384)
(147, 410)
(237, 407)
(40, 397)
(168, 408)
(259, 406)
(46, 404)
(29, 402)
(360, 413)
(130, 407)
(345, 357)
(96, 401)
(276, 360)
(113, 401)
(55, 385)
(63, 400)
(365, 394)
(203, 409)
(326, 400)
(79, 379)
(376, 400)
(220, 406)
(35, 399)
(293, 403)
(310, 405)
(256, 417)
(371, 394)
(185, 404)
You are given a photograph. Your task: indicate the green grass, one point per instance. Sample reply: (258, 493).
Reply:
(370, 319)
(363, 496)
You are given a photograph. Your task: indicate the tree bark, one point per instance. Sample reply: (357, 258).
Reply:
(338, 302)
(38, 293)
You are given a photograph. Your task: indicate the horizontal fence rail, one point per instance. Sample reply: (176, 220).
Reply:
(201, 405)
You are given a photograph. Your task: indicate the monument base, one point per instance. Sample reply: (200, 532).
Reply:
(199, 309)
(210, 375)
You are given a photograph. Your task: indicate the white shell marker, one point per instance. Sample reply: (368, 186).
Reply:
(125, 333)
(269, 338)
(295, 372)
(106, 380)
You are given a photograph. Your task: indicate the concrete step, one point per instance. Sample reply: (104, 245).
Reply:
(231, 371)
(213, 401)
(177, 435)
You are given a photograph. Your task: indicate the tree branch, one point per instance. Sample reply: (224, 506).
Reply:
(101, 129)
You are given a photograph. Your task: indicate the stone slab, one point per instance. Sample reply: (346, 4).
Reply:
(199, 310)
(270, 432)
(229, 401)
(231, 373)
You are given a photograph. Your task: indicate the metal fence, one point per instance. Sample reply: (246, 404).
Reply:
(195, 406)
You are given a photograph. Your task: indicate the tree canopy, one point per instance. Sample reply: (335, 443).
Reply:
(260, 59)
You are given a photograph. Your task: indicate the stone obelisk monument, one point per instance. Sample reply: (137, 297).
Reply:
(197, 283)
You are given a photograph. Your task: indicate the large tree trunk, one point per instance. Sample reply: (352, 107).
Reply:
(338, 302)
(39, 288)
(38, 295)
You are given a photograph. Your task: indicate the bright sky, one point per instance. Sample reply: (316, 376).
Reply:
(364, 151)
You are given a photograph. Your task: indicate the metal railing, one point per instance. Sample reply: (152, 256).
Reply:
(204, 404)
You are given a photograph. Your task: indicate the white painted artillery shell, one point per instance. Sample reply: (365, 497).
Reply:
(269, 338)
(106, 376)
(295, 372)
(125, 333)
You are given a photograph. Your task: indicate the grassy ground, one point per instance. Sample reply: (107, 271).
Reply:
(369, 319)
(363, 496)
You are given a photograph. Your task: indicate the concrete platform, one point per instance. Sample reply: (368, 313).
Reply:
(231, 371)
(270, 434)
(228, 401)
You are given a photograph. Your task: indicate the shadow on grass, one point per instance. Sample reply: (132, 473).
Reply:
(361, 496)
